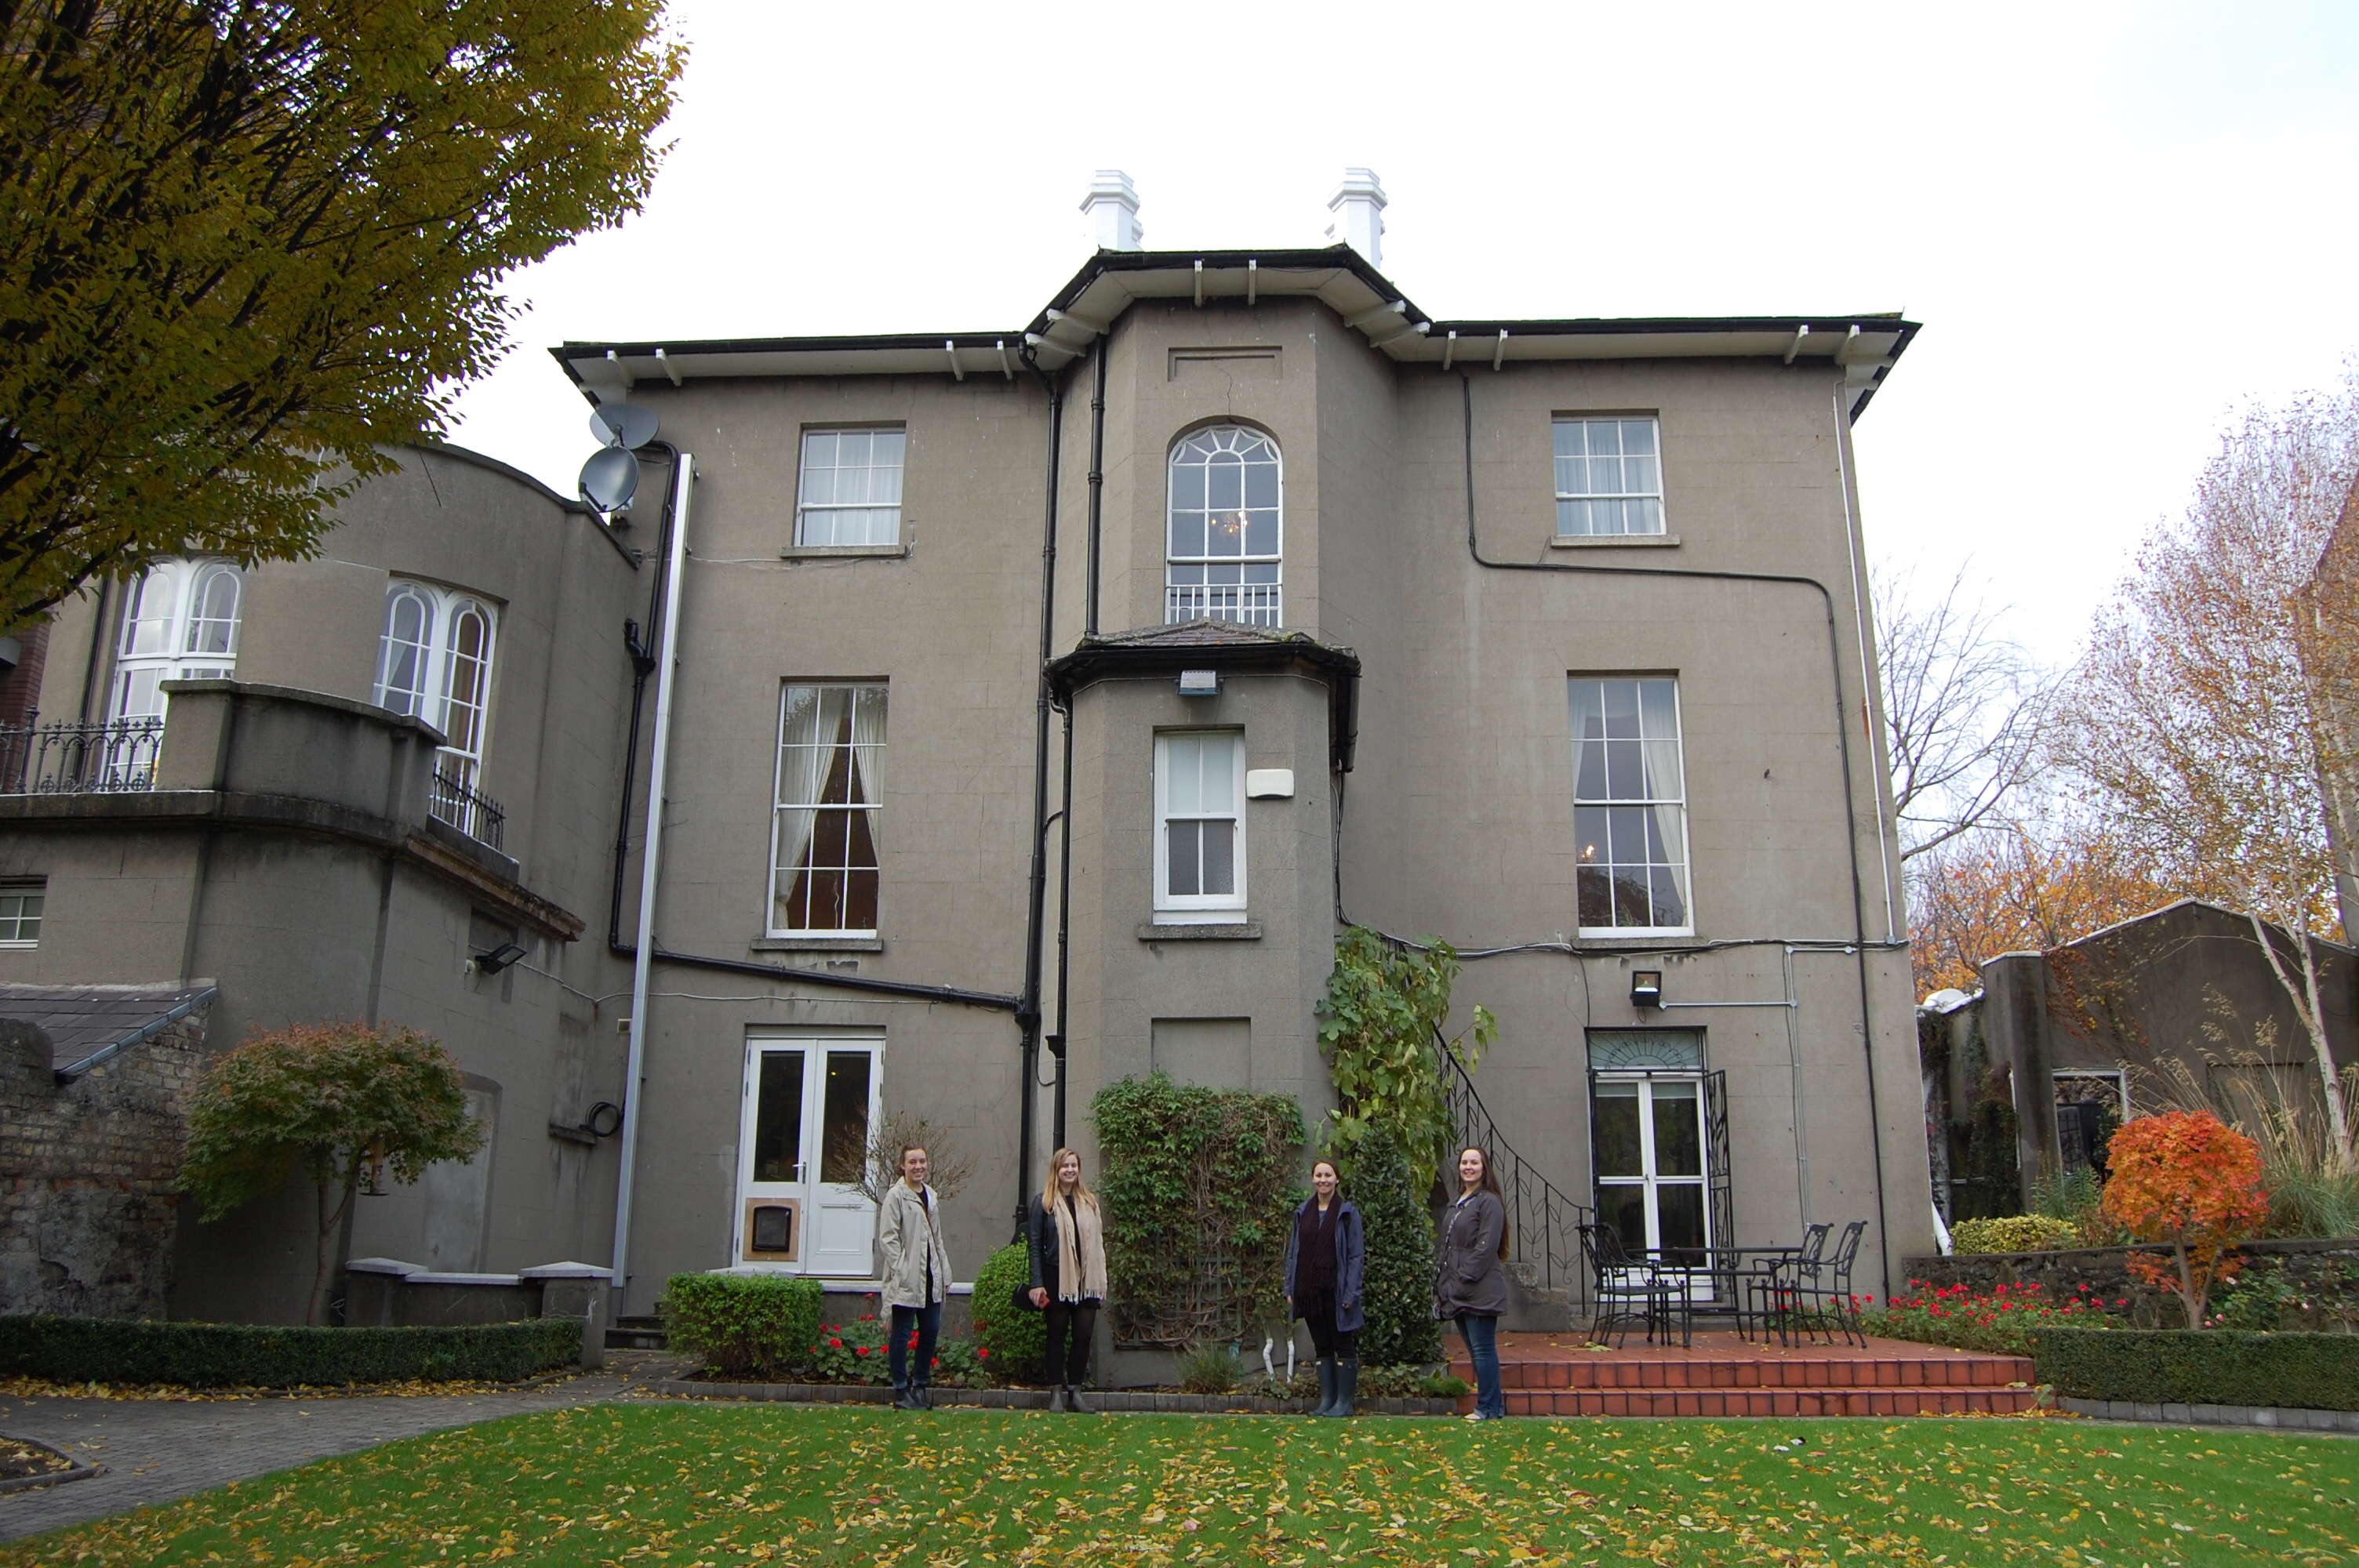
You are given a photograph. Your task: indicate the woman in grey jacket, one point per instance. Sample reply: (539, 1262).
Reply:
(916, 1277)
(1326, 1262)
(1471, 1281)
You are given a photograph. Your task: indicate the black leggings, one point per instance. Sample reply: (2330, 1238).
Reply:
(1070, 1362)
(1319, 1313)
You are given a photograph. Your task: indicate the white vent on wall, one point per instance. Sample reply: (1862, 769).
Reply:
(1359, 207)
(1112, 207)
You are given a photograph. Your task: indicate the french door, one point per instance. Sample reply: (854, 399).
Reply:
(1649, 1139)
(809, 1105)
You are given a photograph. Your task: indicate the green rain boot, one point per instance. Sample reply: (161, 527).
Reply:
(1347, 1387)
(1327, 1380)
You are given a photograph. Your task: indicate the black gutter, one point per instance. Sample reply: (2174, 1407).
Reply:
(951, 994)
(1028, 1011)
(1097, 482)
(1842, 742)
(643, 663)
(1058, 1042)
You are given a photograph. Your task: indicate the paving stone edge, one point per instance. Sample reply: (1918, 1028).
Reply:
(1030, 1398)
(2273, 1417)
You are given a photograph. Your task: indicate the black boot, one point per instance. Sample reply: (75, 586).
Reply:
(1347, 1386)
(905, 1399)
(925, 1393)
(1073, 1400)
(1327, 1380)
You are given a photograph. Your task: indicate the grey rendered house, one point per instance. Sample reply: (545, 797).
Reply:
(1040, 704)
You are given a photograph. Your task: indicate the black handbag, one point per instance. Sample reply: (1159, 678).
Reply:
(1024, 1298)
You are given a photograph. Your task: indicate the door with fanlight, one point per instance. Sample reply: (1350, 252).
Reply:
(809, 1105)
(1653, 1142)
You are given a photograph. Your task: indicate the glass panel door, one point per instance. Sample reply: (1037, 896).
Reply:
(1647, 1143)
(808, 1106)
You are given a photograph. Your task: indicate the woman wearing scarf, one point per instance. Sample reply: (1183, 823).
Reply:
(1069, 1274)
(1326, 1259)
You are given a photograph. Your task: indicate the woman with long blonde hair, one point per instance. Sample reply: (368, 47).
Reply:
(1069, 1274)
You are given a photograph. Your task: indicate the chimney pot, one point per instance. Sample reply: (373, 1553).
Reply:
(1112, 206)
(1359, 207)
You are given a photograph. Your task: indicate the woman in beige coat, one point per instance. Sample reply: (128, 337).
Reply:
(916, 1277)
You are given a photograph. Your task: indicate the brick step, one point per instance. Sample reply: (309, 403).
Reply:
(1767, 1401)
(1636, 1371)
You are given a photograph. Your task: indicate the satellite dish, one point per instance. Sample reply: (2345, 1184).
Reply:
(622, 425)
(610, 479)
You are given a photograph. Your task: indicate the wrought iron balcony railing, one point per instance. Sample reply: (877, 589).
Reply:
(70, 758)
(471, 812)
(1543, 1223)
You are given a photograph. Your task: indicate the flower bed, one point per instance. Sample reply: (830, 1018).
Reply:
(1999, 1321)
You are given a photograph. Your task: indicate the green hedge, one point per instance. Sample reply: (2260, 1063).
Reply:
(2201, 1367)
(245, 1355)
(1016, 1337)
(743, 1326)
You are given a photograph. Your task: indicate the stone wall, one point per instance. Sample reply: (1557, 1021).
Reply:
(2324, 1274)
(86, 1173)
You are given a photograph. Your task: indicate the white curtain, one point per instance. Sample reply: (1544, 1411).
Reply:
(808, 726)
(868, 749)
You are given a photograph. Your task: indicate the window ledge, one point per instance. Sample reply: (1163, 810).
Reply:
(1613, 541)
(1622, 938)
(817, 945)
(845, 552)
(1244, 931)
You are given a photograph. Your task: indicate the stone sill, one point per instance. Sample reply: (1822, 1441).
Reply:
(817, 945)
(845, 552)
(1248, 931)
(1614, 542)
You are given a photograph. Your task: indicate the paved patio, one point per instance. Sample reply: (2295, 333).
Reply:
(156, 1451)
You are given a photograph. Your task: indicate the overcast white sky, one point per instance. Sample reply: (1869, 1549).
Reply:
(2118, 223)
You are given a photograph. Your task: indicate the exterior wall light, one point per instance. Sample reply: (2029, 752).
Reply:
(1645, 988)
(498, 959)
(1200, 683)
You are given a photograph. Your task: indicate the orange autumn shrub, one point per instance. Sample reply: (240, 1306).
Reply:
(2186, 1180)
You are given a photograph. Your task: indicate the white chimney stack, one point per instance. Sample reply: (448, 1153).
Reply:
(1359, 207)
(1112, 207)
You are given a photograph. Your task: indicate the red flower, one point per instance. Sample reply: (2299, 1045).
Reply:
(981, 1354)
(860, 1350)
(837, 1343)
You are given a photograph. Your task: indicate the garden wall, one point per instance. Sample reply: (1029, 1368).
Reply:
(2324, 1274)
(86, 1173)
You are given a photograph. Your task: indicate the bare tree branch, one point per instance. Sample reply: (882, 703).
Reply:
(1964, 707)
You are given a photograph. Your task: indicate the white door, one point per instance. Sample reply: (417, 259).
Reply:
(1648, 1142)
(809, 1105)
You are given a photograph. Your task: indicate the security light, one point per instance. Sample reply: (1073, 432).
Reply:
(1645, 988)
(1200, 683)
(498, 959)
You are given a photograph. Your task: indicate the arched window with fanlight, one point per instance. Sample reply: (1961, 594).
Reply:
(1223, 554)
(434, 663)
(179, 622)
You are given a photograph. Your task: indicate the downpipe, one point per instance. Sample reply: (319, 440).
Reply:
(650, 864)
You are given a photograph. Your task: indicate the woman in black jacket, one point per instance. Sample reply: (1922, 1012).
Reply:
(1326, 1262)
(1069, 1274)
(1470, 1282)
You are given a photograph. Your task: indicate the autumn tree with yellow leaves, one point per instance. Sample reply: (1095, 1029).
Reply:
(246, 244)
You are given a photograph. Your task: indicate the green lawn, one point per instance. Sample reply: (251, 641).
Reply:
(719, 1484)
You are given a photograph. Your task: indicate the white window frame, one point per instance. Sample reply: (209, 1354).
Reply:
(1585, 853)
(1625, 494)
(1246, 603)
(780, 807)
(170, 592)
(1199, 909)
(15, 893)
(439, 662)
(832, 515)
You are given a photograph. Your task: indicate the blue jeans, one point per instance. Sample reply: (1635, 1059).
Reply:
(928, 1322)
(1481, 1336)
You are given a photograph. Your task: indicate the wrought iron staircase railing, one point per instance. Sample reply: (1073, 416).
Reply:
(1544, 1223)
